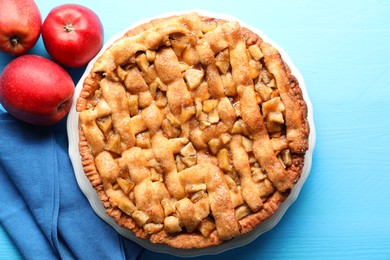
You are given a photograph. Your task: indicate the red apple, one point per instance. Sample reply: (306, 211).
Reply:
(72, 34)
(20, 25)
(36, 90)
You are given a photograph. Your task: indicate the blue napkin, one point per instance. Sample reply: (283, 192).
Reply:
(41, 205)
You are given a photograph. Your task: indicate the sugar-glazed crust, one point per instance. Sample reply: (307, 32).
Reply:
(192, 130)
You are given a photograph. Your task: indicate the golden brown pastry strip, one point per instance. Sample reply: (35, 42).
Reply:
(167, 67)
(135, 161)
(147, 200)
(145, 195)
(152, 118)
(94, 135)
(295, 122)
(214, 82)
(150, 39)
(165, 157)
(250, 192)
(115, 95)
(262, 146)
(239, 59)
(220, 204)
(88, 121)
(216, 39)
(219, 198)
(250, 112)
(134, 81)
(107, 167)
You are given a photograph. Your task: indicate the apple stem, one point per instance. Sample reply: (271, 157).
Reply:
(69, 28)
(14, 40)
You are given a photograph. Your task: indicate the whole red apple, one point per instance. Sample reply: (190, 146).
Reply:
(36, 90)
(20, 25)
(72, 34)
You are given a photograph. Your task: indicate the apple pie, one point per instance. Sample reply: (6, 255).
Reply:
(193, 130)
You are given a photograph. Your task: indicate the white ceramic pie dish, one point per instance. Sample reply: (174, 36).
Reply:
(90, 193)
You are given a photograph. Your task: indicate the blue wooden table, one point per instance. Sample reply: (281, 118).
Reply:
(342, 48)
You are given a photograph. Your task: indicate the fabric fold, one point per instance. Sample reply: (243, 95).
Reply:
(42, 203)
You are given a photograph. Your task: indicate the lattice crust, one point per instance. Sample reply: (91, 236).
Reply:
(192, 130)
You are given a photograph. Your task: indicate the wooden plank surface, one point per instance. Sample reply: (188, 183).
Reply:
(342, 50)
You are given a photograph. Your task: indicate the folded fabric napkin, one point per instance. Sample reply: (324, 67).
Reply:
(42, 207)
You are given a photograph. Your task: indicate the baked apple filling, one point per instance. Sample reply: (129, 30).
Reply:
(192, 130)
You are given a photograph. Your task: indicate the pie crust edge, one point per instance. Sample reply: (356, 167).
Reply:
(194, 240)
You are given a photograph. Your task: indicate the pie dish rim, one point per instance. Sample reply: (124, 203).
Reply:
(93, 198)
